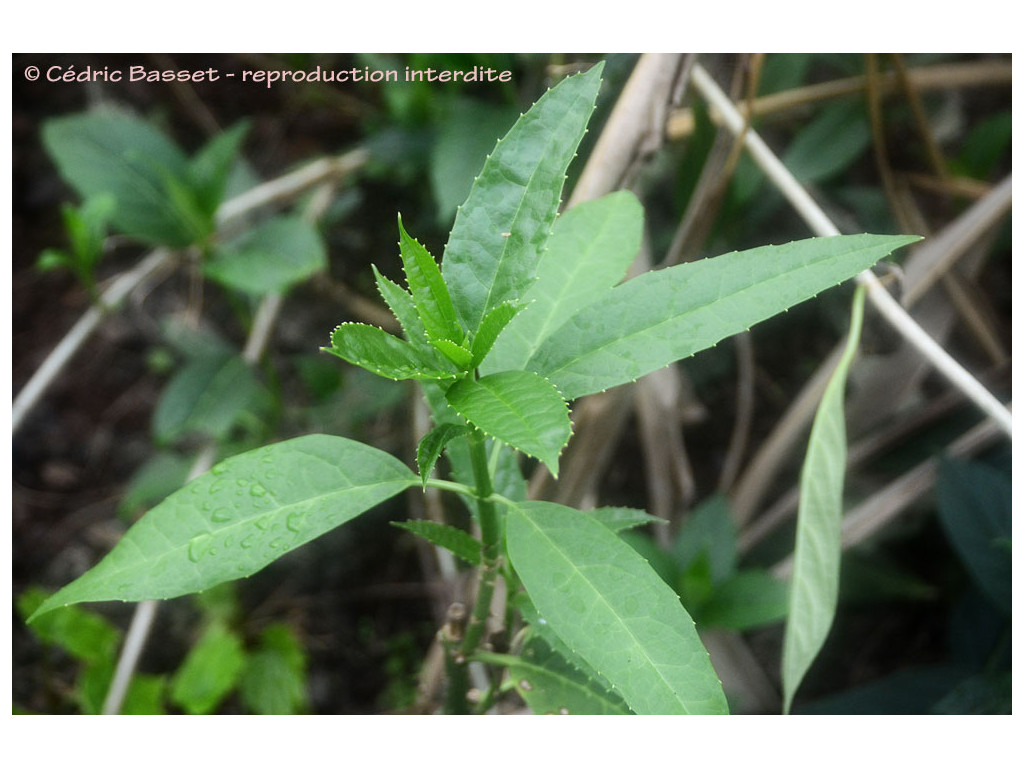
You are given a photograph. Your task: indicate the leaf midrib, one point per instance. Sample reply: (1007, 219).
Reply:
(567, 116)
(595, 350)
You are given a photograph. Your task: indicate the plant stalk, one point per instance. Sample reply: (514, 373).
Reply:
(490, 533)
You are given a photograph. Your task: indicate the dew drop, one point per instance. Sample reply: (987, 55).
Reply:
(257, 490)
(219, 470)
(295, 522)
(197, 547)
(277, 543)
(221, 515)
(246, 543)
(262, 523)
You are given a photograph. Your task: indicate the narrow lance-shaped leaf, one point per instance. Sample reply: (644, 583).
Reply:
(518, 408)
(589, 251)
(490, 330)
(403, 307)
(242, 515)
(608, 605)
(815, 584)
(663, 316)
(493, 248)
(429, 292)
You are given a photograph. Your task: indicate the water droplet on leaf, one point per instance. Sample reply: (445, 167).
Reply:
(197, 547)
(221, 515)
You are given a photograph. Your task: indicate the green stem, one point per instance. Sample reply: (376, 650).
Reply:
(490, 536)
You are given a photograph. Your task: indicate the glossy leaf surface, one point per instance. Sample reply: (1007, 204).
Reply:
(607, 604)
(245, 513)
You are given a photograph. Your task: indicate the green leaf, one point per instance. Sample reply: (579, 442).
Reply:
(490, 329)
(207, 396)
(987, 693)
(429, 292)
(541, 630)
(209, 170)
(145, 695)
(186, 207)
(975, 503)
(709, 531)
(830, 143)
(466, 136)
(379, 352)
(551, 686)
(210, 671)
(589, 251)
(623, 518)
(456, 353)
(746, 600)
(455, 540)
(273, 681)
(663, 316)
(494, 244)
(154, 481)
(814, 588)
(83, 634)
(518, 408)
(433, 443)
(54, 258)
(402, 306)
(607, 604)
(113, 153)
(244, 514)
(269, 258)
(86, 227)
